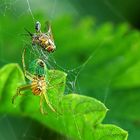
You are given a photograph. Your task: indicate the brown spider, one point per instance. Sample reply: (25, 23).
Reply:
(45, 40)
(38, 84)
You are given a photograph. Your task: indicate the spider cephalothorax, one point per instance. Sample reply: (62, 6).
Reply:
(44, 40)
(38, 85)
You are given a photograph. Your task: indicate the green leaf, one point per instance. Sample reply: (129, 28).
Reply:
(112, 66)
(11, 77)
(77, 116)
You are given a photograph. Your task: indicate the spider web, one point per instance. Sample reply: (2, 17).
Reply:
(72, 86)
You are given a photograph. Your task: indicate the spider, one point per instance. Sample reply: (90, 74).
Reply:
(45, 40)
(38, 84)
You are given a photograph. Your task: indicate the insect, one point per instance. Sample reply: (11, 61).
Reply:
(44, 40)
(37, 85)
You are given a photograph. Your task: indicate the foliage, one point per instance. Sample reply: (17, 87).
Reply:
(114, 62)
(78, 116)
(111, 73)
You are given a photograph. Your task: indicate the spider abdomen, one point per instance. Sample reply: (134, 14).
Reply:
(44, 41)
(38, 85)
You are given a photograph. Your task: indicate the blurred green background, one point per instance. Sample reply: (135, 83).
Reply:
(100, 37)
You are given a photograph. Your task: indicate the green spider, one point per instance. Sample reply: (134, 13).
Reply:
(38, 84)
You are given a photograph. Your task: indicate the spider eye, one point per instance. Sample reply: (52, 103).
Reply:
(37, 26)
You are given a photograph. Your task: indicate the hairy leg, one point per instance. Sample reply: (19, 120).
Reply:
(41, 106)
(47, 101)
(19, 89)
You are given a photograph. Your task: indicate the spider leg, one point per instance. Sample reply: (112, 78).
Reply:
(49, 29)
(26, 73)
(29, 33)
(53, 87)
(19, 89)
(47, 101)
(41, 107)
